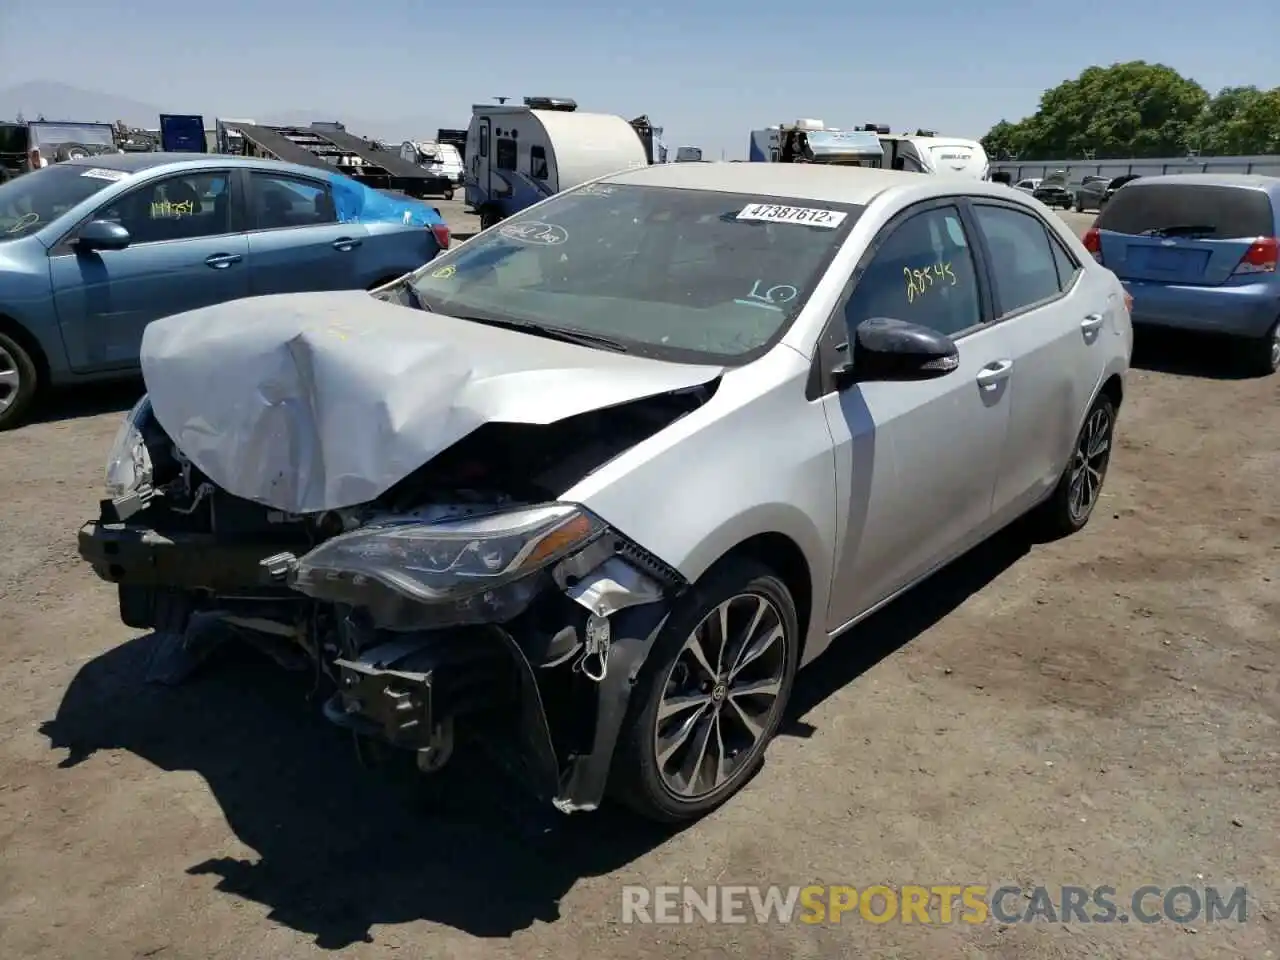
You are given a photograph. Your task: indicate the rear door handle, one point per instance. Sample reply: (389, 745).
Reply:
(1091, 323)
(220, 261)
(343, 244)
(994, 373)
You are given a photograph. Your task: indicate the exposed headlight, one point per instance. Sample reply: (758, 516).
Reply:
(129, 464)
(481, 568)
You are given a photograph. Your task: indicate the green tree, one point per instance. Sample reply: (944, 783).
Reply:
(1126, 109)
(1005, 139)
(1239, 121)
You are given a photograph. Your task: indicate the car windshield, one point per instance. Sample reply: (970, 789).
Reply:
(34, 199)
(679, 274)
(88, 135)
(1215, 211)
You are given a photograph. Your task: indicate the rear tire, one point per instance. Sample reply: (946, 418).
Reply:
(1262, 356)
(19, 380)
(674, 694)
(1079, 488)
(488, 218)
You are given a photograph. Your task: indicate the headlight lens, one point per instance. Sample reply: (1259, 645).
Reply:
(129, 464)
(441, 562)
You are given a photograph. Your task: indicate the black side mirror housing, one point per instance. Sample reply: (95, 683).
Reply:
(888, 349)
(102, 235)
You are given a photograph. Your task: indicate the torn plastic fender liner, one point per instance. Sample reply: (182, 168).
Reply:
(585, 778)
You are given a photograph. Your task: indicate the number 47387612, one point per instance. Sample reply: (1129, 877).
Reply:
(923, 279)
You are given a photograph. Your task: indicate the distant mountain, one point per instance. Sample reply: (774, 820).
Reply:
(60, 101)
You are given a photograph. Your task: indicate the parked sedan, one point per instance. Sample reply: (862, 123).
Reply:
(591, 487)
(1027, 186)
(1199, 252)
(1095, 192)
(93, 250)
(1053, 192)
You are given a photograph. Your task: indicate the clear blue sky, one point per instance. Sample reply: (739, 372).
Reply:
(707, 70)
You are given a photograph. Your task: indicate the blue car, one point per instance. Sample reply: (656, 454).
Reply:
(93, 250)
(1199, 252)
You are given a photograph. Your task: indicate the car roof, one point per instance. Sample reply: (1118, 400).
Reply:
(1255, 180)
(138, 162)
(804, 181)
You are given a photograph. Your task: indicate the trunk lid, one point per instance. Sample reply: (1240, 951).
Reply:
(1182, 233)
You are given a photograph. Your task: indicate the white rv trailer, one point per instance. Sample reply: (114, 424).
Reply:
(922, 152)
(812, 141)
(518, 154)
(926, 152)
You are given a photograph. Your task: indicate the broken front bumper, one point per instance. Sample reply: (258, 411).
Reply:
(548, 689)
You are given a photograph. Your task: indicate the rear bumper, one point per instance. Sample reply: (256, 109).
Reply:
(1246, 310)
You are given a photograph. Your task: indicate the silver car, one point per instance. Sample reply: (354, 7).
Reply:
(591, 487)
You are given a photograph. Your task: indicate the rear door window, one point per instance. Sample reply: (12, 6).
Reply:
(1211, 211)
(1022, 258)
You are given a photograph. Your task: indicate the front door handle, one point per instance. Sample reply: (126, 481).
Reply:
(1091, 323)
(220, 261)
(343, 244)
(994, 373)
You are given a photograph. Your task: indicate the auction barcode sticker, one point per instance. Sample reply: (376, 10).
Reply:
(97, 173)
(776, 213)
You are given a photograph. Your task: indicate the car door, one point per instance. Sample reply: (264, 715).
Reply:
(1052, 318)
(918, 459)
(295, 240)
(186, 251)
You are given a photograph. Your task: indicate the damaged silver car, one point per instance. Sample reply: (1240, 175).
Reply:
(588, 489)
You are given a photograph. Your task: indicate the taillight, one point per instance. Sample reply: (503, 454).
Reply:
(1093, 243)
(1128, 302)
(441, 231)
(1261, 256)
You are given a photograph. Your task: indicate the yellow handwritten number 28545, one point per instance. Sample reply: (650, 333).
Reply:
(918, 281)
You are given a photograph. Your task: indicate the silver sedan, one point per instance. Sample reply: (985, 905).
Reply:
(620, 465)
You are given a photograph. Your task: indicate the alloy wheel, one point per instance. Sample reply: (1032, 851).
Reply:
(1275, 347)
(1089, 464)
(721, 696)
(10, 379)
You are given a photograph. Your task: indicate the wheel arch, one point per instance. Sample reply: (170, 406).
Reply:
(781, 554)
(30, 343)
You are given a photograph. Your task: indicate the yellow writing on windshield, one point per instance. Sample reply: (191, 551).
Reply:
(926, 278)
(164, 209)
(444, 273)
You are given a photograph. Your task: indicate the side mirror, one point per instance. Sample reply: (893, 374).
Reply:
(102, 235)
(887, 349)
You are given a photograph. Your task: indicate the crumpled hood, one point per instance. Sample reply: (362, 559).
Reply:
(315, 401)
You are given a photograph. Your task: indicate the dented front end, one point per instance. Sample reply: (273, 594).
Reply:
(465, 605)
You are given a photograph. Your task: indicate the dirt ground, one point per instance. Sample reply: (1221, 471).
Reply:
(1101, 710)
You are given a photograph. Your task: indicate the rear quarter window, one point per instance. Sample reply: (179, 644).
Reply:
(1230, 211)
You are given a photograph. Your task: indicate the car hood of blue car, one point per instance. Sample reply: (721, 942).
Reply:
(318, 401)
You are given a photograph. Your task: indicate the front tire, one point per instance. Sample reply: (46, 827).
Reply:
(710, 696)
(1073, 500)
(488, 217)
(19, 380)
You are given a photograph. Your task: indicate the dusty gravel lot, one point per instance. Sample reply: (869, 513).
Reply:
(1102, 710)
